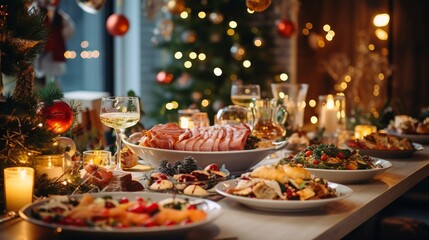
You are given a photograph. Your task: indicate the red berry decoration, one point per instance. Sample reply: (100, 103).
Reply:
(212, 167)
(58, 116)
(117, 24)
(286, 28)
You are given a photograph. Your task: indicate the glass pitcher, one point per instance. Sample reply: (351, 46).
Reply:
(270, 118)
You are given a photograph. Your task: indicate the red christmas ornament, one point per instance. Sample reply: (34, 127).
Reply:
(164, 77)
(258, 5)
(58, 116)
(117, 24)
(286, 28)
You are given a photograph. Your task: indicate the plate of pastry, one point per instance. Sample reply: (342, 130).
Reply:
(411, 128)
(384, 145)
(282, 188)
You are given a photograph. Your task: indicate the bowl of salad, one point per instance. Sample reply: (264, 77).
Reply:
(338, 165)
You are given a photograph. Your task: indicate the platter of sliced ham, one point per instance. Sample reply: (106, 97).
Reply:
(213, 144)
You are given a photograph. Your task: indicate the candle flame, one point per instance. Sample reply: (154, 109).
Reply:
(330, 102)
(23, 173)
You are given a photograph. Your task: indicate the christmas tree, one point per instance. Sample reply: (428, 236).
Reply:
(212, 45)
(31, 123)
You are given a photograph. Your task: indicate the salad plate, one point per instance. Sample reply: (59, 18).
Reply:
(234, 161)
(284, 205)
(352, 176)
(212, 209)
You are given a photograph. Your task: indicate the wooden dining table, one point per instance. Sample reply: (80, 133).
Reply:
(237, 221)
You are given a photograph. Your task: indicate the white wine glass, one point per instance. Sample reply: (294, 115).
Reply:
(243, 95)
(119, 113)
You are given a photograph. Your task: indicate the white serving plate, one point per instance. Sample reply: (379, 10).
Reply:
(235, 161)
(283, 205)
(418, 138)
(351, 176)
(383, 153)
(212, 209)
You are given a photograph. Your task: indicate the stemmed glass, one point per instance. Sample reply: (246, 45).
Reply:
(119, 113)
(243, 95)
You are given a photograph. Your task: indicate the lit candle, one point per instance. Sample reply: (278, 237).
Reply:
(18, 184)
(97, 157)
(362, 130)
(329, 115)
(51, 170)
(186, 122)
(51, 165)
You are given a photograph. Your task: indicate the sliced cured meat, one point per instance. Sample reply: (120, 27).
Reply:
(162, 136)
(213, 138)
(210, 139)
(220, 136)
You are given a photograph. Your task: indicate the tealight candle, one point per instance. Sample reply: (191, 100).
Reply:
(362, 130)
(97, 157)
(18, 184)
(186, 118)
(51, 165)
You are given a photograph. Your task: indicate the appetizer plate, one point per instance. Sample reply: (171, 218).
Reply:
(383, 153)
(283, 205)
(418, 138)
(351, 176)
(235, 161)
(212, 209)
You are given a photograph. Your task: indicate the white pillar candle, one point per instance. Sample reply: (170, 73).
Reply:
(329, 115)
(18, 184)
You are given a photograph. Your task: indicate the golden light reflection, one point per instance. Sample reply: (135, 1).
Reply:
(247, 63)
(217, 71)
(205, 102)
(326, 27)
(305, 31)
(184, 15)
(187, 64)
(257, 42)
(232, 24)
(381, 20)
(347, 78)
(313, 119)
(202, 56)
(202, 14)
(192, 55)
(309, 25)
(381, 34)
(169, 106)
(381, 76)
(178, 55)
(312, 103)
(230, 32)
(284, 77)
